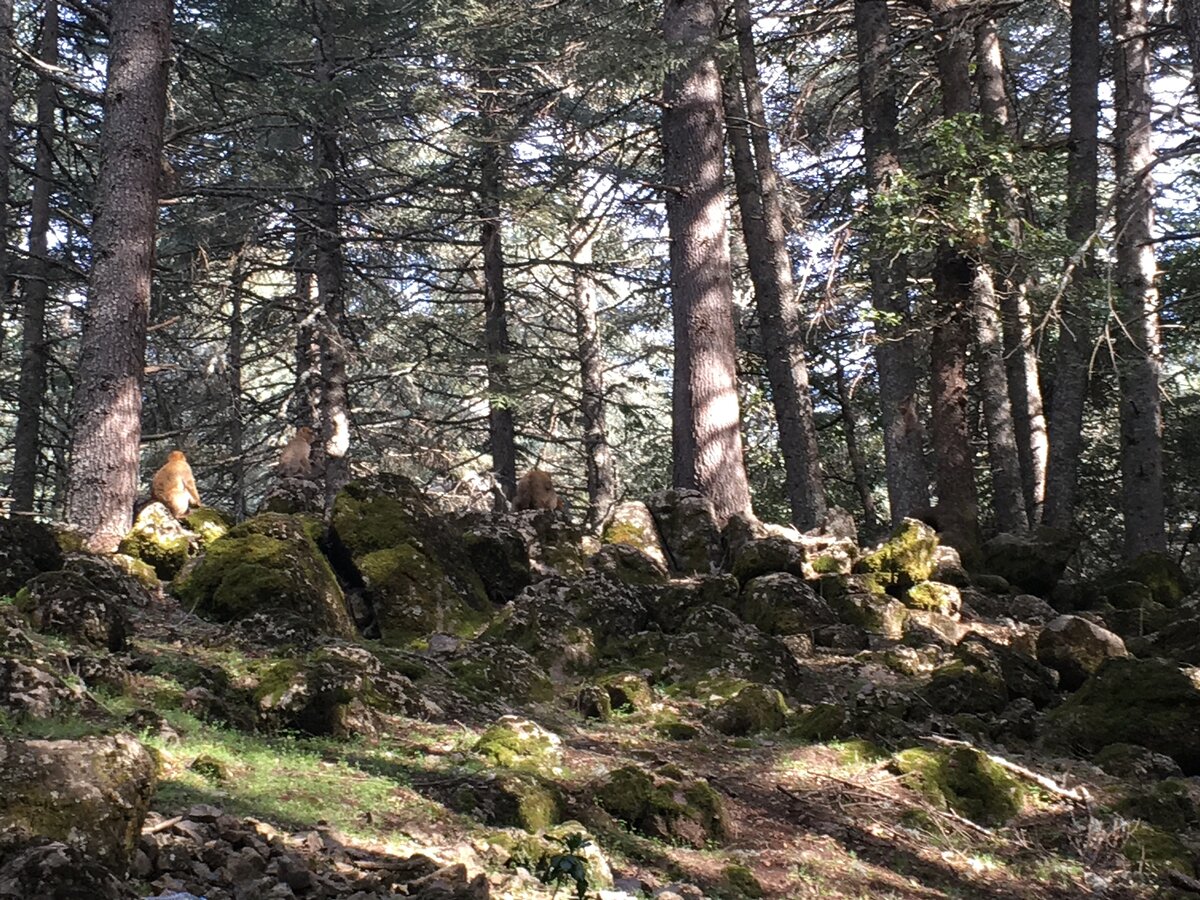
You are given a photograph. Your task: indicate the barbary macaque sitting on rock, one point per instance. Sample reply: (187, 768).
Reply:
(174, 485)
(295, 461)
(535, 490)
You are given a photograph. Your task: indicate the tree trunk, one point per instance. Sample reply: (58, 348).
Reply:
(1191, 28)
(1075, 327)
(903, 435)
(237, 447)
(953, 278)
(858, 465)
(706, 421)
(7, 53)
(335, 401)
(306, 392)
(779, 311)
(501, 433)
(108, 397)
(1020, 354)
(1002, 439)
(1137, 339)
(601, 479)
(32, 390)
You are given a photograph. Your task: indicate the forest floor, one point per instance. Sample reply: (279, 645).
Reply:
(805, 820)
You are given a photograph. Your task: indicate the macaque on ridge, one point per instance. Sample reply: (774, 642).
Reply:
(294, 460)
(174, 486)
(535, 490)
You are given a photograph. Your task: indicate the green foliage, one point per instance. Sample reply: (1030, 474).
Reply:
(566, 868)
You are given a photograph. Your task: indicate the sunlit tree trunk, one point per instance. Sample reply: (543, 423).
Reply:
(1020, 354)
(1075, 326)
(32, 387)
(778, 307)
(953, 279)
(1139, 354)
(108, 398)
(903, 434)
(706, 423)
(330, 268)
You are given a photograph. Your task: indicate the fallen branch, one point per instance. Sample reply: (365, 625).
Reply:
(163, 825)
(1076, 795)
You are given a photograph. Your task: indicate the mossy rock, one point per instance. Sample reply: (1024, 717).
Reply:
(511, 800)
(207, 524)
(532, 851)
(780, 603)
(160, 541)
(627, 564)
(632, 525)
(27, 548)
(1034, 561)
(741, 882)
(267, 562)
(964, 780)
(69, 605)
(501, 558)
(876, 613)
(673, 601)
(934, 597)
(517, 743)
(1170, 804)
(1158, 851)
(754, 708)
(687, 525)
(688, 812)
(767, 555)
(905, 558)
(1165, 578)
(414, 566)
(822, 722)
(1150, 702)
(1131, 761)
(593, 702)
(628, 691)
(1076, 648)
(962, 686)
(498, 669)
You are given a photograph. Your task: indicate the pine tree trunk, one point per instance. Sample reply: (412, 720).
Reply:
(706, 421)
(237, 447)
(306, 392)
(1007, 495)
(501, 432)
(598, 459)
(1020, 354)
(335, 401)
(903, 435)
(778, 308)
(1137, 341)
(858, 465)
(32, 385)
(1191, 29)
(7, 52)
(108, 398)
(1075, 329)
(953, 278)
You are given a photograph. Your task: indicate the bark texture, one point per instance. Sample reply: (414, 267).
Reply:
(1139, 355)
(108, 397)
(32, 387)
(1075, 322)
(7, 53)
(1020, 354)
(903, 435)
(706, 422)
(779, 310)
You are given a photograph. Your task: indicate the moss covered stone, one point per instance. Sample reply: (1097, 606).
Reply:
(268, 562)
(1034, 561)
(964, 780)
(935, 597)
(632, 524)
(1161, 574)
(207, 524)
(1150, 702)
(689, 812)
(516, 743)
(160, 541)
(627, 564)
(1170, 804)
(27, 548)
(905, 558)
(69, 604)
(1076, 648)
(1158, 851)
(685, 521)
(822, 722)
(415, 567)
(501, 557)
(511, 800)
(741, 882)
(763, 556)
(628, 691)
(754, 708)
(876, 613)
(780, 603)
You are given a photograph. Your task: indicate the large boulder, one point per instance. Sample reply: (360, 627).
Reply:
(907, 557)
(783, 604)
(1160, 574)
(1076, 648)
(91, 794)
(1034, 561)
(688, 527)
(683, 811)
(161, 541)
(1149, 702)
(501, 557)
(767, 555)
(628, 564)
(27, 548)
(632, 524)
(964, 780)
(69, 605)
(416, 572)
(269, 562)
(58, 871)
(754, 708)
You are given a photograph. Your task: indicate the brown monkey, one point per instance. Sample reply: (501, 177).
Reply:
(174, 486)
(535, 490)
(294, 460)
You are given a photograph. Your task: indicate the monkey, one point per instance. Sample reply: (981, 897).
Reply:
(174, 486)
(535, 490)
(294, 461)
